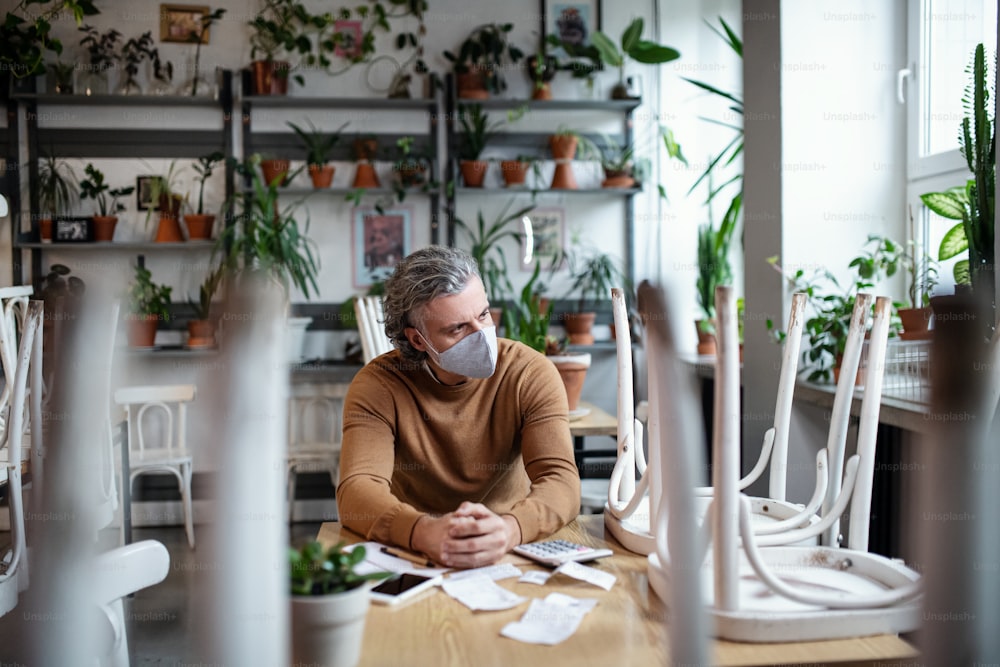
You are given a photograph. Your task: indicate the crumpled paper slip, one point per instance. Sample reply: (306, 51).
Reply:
(549, 621)
(480, 593)
(538, 577)
(494, 572)
(591, 575)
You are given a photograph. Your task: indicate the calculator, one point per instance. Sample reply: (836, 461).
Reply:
(557, 552)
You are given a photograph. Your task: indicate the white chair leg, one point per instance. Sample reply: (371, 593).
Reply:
(291, 494)
(188, 506)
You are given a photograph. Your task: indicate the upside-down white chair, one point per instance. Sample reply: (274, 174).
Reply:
(158, 444)
(757, 588)
(370, 325)
(25, 362)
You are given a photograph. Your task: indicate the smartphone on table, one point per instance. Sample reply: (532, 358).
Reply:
(402, 587)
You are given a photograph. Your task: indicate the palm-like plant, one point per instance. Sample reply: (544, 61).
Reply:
(318, 143)
(57, 186)
(714, 268)
(485, 248)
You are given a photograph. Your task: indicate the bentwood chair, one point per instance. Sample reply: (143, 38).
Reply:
(313, 433)
(157, 437)
(370, 324)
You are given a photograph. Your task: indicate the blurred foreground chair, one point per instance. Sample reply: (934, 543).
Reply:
(370, 324)
(21, 359)
(157, 437)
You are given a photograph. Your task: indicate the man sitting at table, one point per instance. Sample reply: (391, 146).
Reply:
(456, 444)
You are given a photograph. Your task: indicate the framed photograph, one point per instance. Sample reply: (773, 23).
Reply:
(144, 193)
(72, 230)
(545, 240)
(378, 242)
(349, 44)
(182, 23)
(571, 22)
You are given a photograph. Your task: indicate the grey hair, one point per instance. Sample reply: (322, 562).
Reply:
(419, 278)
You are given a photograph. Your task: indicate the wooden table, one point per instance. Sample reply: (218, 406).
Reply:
(595, 422)
(625, 628)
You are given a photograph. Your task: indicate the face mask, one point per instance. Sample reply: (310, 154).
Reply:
(474, 356)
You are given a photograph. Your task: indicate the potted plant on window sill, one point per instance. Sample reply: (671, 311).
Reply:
(149, 304)
(94, 187)
(329, 602)
(199, 224)
(57, 192)
(714, 269)
(318, 145)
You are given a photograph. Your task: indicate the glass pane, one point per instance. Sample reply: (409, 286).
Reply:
(950, 30)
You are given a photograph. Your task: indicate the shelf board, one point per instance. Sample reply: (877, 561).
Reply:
(305, 191)
(120, 100)
(376, 103)
(557, 105)
(612, 192)
(117, 245)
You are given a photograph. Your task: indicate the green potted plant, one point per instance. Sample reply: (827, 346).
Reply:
(485, 247)
(481, 59)
(365, 151)
(634, 47)
(593, 275)
(148, 305)
(476, 133)
(107, 199)
(973, 204)
(201, 329)
(542, 67)
(164, 191)
(267, 238)
(922, 277)
(329, 602)
(831, 306)
(274, 32)
(60, 79)
(197, 84)
(133, 51)
(527, 320)
(199, 224)
(410, 167)
(319, 145)
(57, 192)
(714, 269)
(102, 50)
(515, 171)
(26, 34)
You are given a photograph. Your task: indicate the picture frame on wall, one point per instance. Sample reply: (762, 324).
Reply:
(379, 239)
(181, 23)
(544, 240)
(144, 193)
(348, 45)
(573, 21)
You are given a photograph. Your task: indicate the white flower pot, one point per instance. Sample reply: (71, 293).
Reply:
(329, 629)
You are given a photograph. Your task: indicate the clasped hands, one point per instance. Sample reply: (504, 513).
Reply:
(471, 536)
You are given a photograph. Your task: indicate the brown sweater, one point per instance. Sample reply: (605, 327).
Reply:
(413, 446)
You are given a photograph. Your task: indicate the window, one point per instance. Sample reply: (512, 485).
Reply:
(941, 37)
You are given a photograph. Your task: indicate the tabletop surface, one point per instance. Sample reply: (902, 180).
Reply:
(595, 422)
(627, 627)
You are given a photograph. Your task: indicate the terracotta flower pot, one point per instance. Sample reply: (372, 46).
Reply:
(617, 179)
(471, 85)
(706, 336)
(916, 323)
(199, 226)
(269, 77)
(365, 149)
(169, 230)
(514, 172)
(201, 333)
(573, 371)
(563, 146)
(104, 227)
(275, 171)
(474, 172)
(141, 330)
(45, 230)
(542, 91)
(579, 327)
(365, 176)
(563, 149)
(321, 175)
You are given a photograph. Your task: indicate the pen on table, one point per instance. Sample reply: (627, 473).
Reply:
(413, 558)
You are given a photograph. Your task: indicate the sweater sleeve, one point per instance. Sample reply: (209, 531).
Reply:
(365, 503)
(547, 451)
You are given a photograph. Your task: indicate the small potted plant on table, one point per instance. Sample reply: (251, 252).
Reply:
(94, 187)
(199, 224)
(318, 146)
(329, 603)
(148, 305)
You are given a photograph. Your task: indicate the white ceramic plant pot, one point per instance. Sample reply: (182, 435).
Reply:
(329, 629)
(296, 336)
